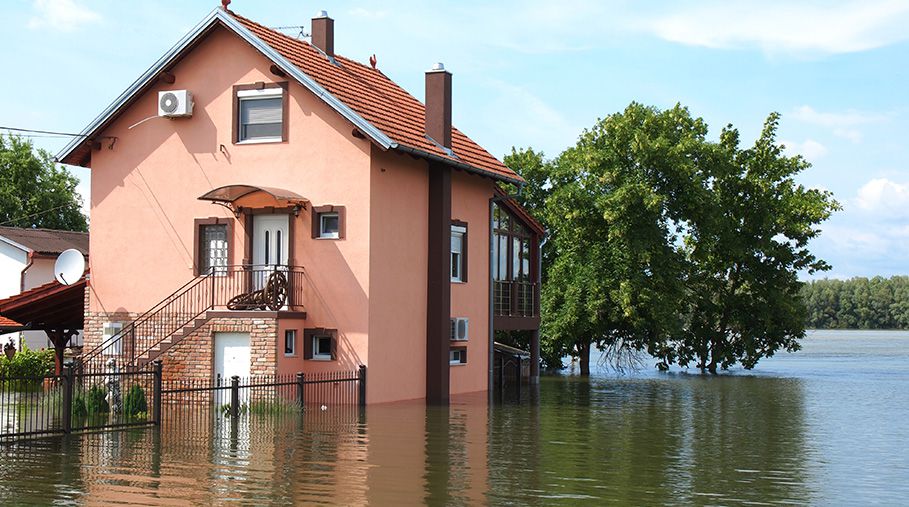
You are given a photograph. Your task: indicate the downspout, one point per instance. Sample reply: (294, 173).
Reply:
(535, 354)
(31, 260)
(491, 364)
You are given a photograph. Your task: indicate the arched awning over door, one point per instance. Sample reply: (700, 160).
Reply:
(234, 196)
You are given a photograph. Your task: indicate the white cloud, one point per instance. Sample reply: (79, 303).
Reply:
(810, 149)
(64, 15)
(786, 27)
(841, 124)
(884, 197)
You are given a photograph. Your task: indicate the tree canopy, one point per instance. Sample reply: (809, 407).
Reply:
(36, 192)
(673, 244)
(858, 303)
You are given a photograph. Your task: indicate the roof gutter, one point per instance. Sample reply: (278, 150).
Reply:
(455, 164)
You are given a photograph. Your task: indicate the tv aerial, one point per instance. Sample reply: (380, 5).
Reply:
(69, 267)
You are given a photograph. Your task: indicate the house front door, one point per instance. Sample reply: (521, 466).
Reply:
(231, 357)
(270, 245)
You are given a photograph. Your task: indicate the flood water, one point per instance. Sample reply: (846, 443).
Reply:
(826, 426)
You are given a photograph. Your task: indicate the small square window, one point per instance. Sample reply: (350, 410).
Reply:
(290, 342)
(329, 225)
(321, 347)
(457, 356)
(109, 330)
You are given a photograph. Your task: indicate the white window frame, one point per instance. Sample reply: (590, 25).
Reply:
(457, 230)
(293, 343)
(329, 235)
(248, 95)
(455, 361)
(316, 355)
(109, 329)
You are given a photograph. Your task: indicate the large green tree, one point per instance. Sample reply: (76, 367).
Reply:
(673, 244)
(36, 192)
(746, 241)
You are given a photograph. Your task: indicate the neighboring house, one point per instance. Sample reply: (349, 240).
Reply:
(299, 211)
(27, 259)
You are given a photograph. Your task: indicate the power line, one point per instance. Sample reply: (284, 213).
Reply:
(43, 132)
(33, 215)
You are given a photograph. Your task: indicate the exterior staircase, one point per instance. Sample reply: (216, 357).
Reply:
(188, 308)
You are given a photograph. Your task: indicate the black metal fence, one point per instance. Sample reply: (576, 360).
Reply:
(66, 403)
(76, 402)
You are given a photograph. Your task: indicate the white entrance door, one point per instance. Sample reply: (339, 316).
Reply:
(270, 240)
(231, 356)
(269, 245)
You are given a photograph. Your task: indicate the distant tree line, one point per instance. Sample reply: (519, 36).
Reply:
(858, 303)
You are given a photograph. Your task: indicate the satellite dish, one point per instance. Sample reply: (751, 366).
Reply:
(69, 267)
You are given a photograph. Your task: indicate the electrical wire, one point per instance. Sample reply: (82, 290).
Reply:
(15, 129)
(38, 214)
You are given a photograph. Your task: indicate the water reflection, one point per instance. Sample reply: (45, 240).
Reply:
(674, 440)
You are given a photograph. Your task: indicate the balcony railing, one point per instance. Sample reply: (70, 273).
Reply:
(515, 299)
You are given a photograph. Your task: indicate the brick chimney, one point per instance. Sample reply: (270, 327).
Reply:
(438, 105)
(323, 33)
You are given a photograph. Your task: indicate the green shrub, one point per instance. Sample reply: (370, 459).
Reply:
(79, 409)
(95, 402)
(28, 363)
(135, 402)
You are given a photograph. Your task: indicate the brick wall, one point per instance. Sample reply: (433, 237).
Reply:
(193, 357)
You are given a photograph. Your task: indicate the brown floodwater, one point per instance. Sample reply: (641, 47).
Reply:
(825, 426)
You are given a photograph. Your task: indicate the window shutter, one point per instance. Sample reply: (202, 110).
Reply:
(463, 356)
(307, 345)
(261, 111)
(334, 346)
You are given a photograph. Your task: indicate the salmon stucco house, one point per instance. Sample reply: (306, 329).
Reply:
(261, 205)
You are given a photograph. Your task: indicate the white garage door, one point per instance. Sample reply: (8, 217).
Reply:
(231, 356)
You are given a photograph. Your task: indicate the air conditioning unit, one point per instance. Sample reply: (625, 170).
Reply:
(459, 327)
(175, 104)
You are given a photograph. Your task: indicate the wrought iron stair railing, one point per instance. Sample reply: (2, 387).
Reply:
(175, 317)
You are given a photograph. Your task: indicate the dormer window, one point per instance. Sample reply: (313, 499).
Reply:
(260, 113)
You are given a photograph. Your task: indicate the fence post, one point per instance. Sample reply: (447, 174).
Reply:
(158, 369)
(67, 398)
(362, 385)
(235, 396)
(301, 384)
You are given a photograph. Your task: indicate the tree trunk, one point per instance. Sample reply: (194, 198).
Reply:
(584, 352)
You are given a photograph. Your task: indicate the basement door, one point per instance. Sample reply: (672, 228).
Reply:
(270, 245)
(231, 357)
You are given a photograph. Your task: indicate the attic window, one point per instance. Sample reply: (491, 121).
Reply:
(260, 113)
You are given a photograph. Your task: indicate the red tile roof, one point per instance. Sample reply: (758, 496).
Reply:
(46, 241)
(6, 323)
(378, 99)
(49, 306)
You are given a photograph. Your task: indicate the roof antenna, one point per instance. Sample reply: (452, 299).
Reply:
(373, 61)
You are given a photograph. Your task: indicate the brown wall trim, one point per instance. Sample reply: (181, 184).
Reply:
(464, 249)
(438, 293)
(329, 208)
(261, 85)
(197, 227)
(501, 323)
(256, 314)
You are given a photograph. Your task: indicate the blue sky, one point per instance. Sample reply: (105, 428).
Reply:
(535, 73)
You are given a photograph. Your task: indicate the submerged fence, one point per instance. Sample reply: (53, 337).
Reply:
(75, 402)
